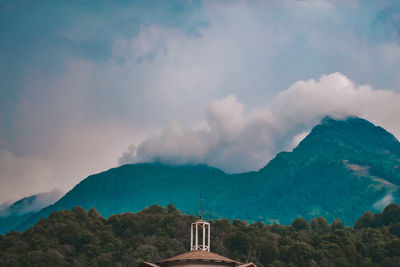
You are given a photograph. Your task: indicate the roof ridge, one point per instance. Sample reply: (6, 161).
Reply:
(199, 255)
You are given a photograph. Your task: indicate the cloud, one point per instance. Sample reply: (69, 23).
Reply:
(23, 176)
(77, 153)
(238, 141)
(82, 151)
(386, 200)
(31, 204)
(229, 137)
(338, 96)
(297, 139)
(77, 91)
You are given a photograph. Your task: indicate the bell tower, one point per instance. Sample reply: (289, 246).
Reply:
(200, 234)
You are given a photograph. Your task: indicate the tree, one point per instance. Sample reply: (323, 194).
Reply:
(300, 224)
(319, 225)
(337, 224)
(391, 214)
(365, 221)
(171, 209)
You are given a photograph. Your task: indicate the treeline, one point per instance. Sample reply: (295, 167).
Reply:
(79, 238)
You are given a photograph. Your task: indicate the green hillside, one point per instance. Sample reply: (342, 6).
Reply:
(341, 169)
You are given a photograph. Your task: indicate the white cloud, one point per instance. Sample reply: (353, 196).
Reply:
(82, 151)
(386, 200)
(297, 139)
(40, 201)
(338, 96)
(23, 176)
(80, 117)
(237, 141)
(79, 152)
(229, 137)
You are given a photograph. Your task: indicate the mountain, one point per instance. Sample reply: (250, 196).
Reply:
(12, 215)
(340, 170)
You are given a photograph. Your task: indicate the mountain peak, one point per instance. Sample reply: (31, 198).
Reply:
(331, 120)
(352, 134)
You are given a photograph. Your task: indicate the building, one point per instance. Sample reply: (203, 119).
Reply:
(199, 254)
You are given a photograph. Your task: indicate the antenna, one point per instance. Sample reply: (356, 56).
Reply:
(200, 233)
(200, 207)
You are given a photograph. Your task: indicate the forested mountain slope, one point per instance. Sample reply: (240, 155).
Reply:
(340, 170)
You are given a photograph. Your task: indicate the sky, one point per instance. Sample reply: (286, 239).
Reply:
(90, 85)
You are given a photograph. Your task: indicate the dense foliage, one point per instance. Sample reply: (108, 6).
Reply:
(340, 170)
(79, 238)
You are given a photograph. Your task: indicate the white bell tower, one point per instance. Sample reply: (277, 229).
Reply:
(200, 234)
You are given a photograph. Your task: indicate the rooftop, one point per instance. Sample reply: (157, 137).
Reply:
(199, 255)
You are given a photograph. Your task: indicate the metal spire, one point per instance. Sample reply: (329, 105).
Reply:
(200, 207)
(200, 233)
